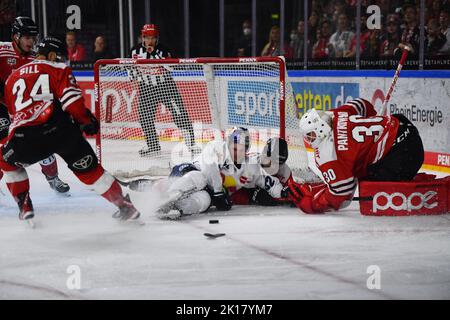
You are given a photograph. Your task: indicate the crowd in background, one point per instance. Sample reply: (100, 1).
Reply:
(331, 31)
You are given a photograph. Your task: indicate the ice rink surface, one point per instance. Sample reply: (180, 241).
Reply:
(267, 253)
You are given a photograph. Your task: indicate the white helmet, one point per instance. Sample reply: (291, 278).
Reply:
(238, 143)
(315, 126)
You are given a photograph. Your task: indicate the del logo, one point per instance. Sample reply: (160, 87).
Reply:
(398, 201)
(253, 103)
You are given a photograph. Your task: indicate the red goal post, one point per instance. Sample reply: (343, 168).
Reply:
(212, 93)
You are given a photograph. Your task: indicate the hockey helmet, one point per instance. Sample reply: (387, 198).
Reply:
(274, 154)
(51, 44)
(150, 30)
(315, 126)
(24, 26)
(181, 169)
(238, 143)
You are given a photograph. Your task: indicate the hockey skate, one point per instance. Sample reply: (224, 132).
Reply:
(169, 212)
(147, 152)
(58, 185)
(127, 211)
(25, 206)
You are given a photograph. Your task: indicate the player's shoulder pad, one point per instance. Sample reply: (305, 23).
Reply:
(6, 46)
(58, 65)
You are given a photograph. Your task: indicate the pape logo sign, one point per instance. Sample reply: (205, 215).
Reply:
(415, 201)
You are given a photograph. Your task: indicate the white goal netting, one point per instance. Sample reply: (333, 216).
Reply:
(155, 114)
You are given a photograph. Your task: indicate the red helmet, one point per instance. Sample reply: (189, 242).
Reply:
(150, 30)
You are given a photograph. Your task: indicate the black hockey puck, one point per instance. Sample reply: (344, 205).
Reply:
(213, 221)
(213, 235)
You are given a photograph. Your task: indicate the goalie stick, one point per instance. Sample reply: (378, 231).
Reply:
(383, 109)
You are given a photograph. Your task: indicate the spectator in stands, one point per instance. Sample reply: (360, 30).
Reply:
(313, 25)
(244, 43)
(363, 40)
(101, 50)
(411, 31)
(434, 11)
(273, 47)
(444, 21)
(341, 39)
(320, 49)
(392, 37)
(340, 7)
(435, 38)
(297, 43)
(76, 52)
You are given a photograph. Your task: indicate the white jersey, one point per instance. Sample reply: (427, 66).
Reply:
(216, 164)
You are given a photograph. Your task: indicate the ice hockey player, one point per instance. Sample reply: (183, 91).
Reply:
(158, 86)
(13, 55)
(272, 160)
(351, 143)
(229, 164)
(221, 169)
(48, 116)
(189, 188)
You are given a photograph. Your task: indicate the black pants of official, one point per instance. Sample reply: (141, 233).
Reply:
(165, 91)
(404, 159)
(59, 135)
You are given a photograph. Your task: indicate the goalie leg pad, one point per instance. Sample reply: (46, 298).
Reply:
(404, 198)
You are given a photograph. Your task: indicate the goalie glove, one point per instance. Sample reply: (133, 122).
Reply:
(221, 201)
(302, 195)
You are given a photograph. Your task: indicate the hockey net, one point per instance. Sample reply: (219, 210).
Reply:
(189, 102)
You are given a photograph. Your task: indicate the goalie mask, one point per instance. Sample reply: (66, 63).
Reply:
(274, 155)
(315, 126)
(239, 144)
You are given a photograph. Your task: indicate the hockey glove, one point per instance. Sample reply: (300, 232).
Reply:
(221, 201)
(91, 127)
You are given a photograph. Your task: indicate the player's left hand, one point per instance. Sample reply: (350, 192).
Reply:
(91, 127)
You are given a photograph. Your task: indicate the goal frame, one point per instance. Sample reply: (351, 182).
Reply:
(172, 61)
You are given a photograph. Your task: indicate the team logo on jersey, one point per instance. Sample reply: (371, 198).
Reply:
(84, 163)
(11, 61)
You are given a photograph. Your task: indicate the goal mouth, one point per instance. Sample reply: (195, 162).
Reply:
(158, 113)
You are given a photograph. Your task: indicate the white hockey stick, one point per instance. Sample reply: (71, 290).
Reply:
(383, 109)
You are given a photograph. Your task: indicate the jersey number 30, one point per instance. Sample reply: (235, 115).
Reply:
(359, 133)
(39, 92)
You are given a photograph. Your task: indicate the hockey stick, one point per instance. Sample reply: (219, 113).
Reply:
(383, 110)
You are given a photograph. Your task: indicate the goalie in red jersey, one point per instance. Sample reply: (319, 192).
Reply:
(351, 143)
(48, 116)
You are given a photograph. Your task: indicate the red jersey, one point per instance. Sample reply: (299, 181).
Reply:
(10, 60)
(360, 138)
(78, 53)
(31, 91)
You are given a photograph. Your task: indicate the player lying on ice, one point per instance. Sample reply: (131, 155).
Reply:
(48, 116)
(351, 143)
(194, 187)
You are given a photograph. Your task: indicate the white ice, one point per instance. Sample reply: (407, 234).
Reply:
(267, 253)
